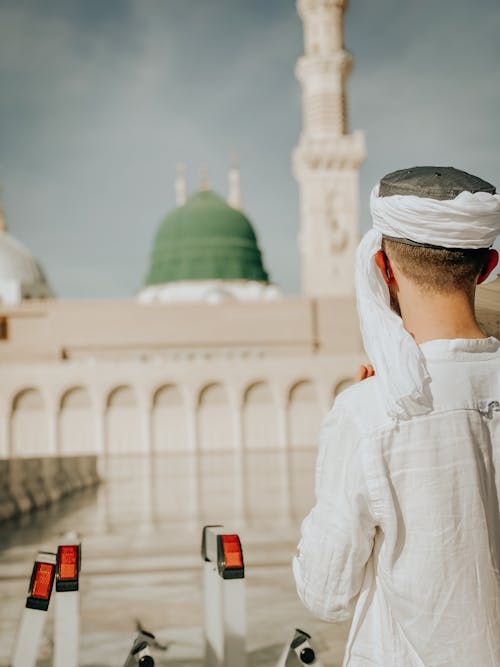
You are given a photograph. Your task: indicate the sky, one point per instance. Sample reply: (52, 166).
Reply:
(100, 100)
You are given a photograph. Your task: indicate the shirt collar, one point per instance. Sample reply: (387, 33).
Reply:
(459, 348)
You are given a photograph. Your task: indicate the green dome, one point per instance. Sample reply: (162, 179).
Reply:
(205, 239)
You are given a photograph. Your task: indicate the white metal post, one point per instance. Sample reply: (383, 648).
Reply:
(234, 622)
(34, 615)
(224, 598)
(67, 629)
(213, 608)
(67, 617)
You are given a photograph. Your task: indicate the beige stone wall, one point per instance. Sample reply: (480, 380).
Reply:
(56, 330)
(70, 407)
(120, 378)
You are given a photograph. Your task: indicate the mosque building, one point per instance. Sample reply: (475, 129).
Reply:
(210, 356)
(210, 367)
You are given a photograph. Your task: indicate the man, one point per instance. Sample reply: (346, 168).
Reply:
(405, 534)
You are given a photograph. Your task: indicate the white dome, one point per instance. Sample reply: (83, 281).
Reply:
(21, 277)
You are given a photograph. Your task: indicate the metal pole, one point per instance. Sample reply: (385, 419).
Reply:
(213, 608)
(224, 598)
(34, 615)
(67, 617)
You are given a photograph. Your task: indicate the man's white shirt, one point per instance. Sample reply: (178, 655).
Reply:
(405, 534)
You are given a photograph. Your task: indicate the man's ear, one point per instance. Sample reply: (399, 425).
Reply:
(491, 262)
(384, 266)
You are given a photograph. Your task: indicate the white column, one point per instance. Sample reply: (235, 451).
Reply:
(325, 397)
(100, 436)
(4, 432)
(237, 410)
(283, 425)
(192, 423)
(192, 408)
(53, 434)
(146, 428)
(146, 419)
(284, 434)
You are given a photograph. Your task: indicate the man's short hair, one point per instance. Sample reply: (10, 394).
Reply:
(437, 269)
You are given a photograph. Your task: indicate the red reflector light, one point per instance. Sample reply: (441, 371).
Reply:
(67, 562)
(43, 580)
(232, 551)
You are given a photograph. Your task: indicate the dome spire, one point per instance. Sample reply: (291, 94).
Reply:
(234, 196)
(204, 184)
(3, 225)
(180, 185)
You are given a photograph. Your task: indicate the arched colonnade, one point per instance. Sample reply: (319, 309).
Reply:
(171, 418)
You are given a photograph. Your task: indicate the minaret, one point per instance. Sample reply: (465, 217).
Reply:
(180, 185)
(204, 183)
(234, 195)
(327, 159)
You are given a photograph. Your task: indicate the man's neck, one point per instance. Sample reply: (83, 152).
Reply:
(431, 316)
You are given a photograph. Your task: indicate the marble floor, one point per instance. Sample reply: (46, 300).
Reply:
(141, 533)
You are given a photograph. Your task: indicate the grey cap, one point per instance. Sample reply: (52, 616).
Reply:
(432, 183)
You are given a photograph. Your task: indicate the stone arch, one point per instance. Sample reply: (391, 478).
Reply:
(304, 414)
(29, 424)
(123, 425)
(215, 419)
(169, 421)
(341, 386)
(260, 417)
(76, 422)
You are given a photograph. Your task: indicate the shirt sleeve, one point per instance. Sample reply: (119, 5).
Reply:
(337, 535)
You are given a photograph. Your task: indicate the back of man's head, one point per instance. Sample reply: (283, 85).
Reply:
(442, 222)
(431, 267)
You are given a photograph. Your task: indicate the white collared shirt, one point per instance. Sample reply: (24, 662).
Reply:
(405, 534)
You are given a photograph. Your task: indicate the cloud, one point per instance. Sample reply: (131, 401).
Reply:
(425, 86)
(101, 100)
(97, 120)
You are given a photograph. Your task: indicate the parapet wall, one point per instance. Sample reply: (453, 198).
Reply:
(27, 484)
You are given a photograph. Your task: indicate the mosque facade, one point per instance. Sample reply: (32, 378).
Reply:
(210, 355)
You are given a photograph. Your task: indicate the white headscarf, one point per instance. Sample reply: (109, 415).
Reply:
(467, 221)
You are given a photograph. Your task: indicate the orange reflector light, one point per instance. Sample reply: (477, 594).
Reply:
(67, 562)
(232, 551)
(43, 580)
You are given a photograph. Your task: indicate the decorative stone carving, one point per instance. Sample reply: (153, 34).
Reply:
(339, 235)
